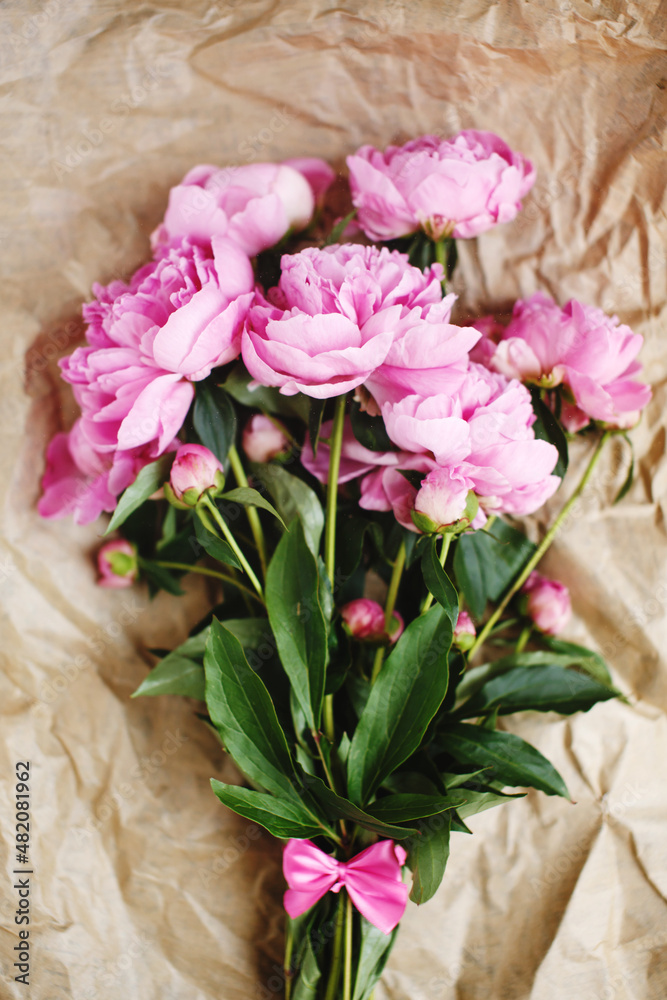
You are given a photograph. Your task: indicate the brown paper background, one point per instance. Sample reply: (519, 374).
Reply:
(144, 885)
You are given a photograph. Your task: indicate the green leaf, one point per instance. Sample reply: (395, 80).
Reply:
(404, 808)
(629, 479)
(214, 418)
(337, 232)
(336, 807)
(374, 949)
(293, 498)
(149, 479)
(309, 974)
(248, 497)
(510, 759)
(470, 801)
(264, 398)
(215, 546)
(295, 613)
(486, 563)
(315, 415)
(243, 713)
(476, 677)
(548, 428)
(428, 856)
(175, 674)
(439, 583)
(540, 689)
(281, 817)
(159, 577)
(369, 431)
(402, 702)
(586, 659)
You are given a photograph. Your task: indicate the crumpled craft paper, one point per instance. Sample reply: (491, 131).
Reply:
(144, 885)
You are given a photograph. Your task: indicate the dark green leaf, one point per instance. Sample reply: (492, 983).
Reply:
(476, 677)
(243, 713)
(486, 563)
(149, 480)
(160, 577)
(336, 807)
(175, 674)
(336, 233)
(295, 613)
(402, 702)
(404, 807)
(293, 498)
(214, 419)
(309, 974)
(439, 584)
(373, 953)
(281, 817)
(428, 856)
(586, 659)
(215, 546)
(510, 759)
(263, 397)
(469, 801)
(369, 431)
(540, 689)
(248, 497)
(315, 414)
(548, 428)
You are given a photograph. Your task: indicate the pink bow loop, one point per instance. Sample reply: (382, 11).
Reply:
(372, 878)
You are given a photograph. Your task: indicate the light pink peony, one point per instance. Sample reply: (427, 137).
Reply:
(254, 205)
(263, 438)
(364, 620)
(548, 603)
(388, 489)
(332, 319)
(442, 497)
(579, 347)
(454, 187)
(317, 172)
(194, 471)
(117, 563)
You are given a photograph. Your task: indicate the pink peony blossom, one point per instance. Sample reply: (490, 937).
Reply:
(364, 620)
(333, 318)
(317, 172)
(454, 187)
(194, 471)
(582, 348)
(253, 205)
(263, 438)
(548, 603)
(117, 563)
(388, 489)
(442, 498)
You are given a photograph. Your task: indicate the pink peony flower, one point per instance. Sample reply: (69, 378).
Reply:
(263, 438)
(388, 489)
(464, 631)
(455, 187)
(332, 319)
(582, 348)
(364, 620)
(317, 172)
(253, 205)
(117, 563)
(195, 470)
(442, 499)
(548, 603)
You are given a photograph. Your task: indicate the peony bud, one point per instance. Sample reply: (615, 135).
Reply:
(548, 603)
(464, 631)
(364, 620)
(117, 563)
(195, 471)
(444, 502)
(263, 439)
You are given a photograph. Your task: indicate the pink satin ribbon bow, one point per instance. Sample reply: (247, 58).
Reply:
(372, 878)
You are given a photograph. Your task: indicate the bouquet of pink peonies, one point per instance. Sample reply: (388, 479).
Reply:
(303, 421)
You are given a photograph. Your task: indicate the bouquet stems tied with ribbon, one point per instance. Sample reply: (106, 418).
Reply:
(299, 416)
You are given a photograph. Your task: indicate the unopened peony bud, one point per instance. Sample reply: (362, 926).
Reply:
(195, 471)
(548, 603)
(117, 563)
(464, 631)
(444, 502)
(364, 620)
(263, 439)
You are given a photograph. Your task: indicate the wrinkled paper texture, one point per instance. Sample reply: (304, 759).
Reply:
(144, 885)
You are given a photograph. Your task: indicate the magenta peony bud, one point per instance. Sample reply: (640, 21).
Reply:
(195, 470)
(464, 631)
(548, 603)
(117, 563)
(364, 620)
(263, 439)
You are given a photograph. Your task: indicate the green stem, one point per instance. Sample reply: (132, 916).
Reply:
(205, 571)
(446, 542)
(523, 639)
(440, 255)
(542, 547)
(335, 448)
(287, 962)
(347, 968)
(224, 528)
(390, 604)
(337, 954)
(251, 512)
